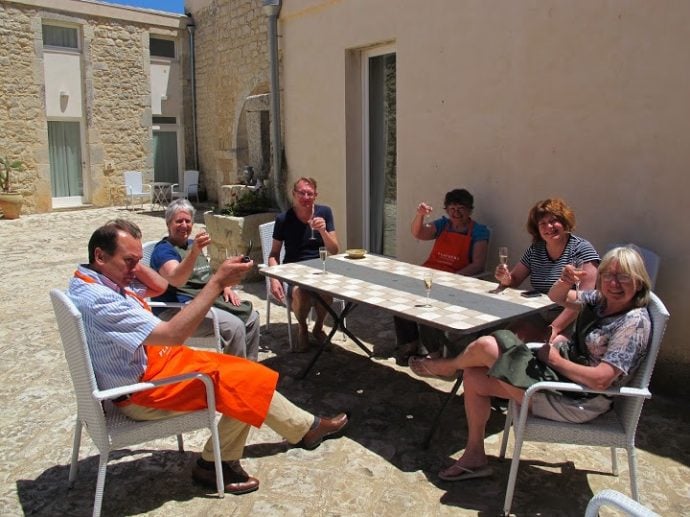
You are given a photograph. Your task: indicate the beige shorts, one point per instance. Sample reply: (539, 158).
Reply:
(560, 408)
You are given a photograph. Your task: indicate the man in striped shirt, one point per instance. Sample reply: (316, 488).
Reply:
(128, 344)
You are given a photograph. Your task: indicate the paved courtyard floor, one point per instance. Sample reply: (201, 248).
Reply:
(377, 468)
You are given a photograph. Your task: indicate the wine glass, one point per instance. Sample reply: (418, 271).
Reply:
(428, 279)
(230, 254)
(323, 253)
(503, 266)
(311, 222)
(577, 264)
(503, 256)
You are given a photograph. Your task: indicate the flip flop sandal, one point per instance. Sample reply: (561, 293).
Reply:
(419, 367)
(458, 473)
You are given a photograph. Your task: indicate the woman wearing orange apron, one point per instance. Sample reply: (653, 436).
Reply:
(460, 246)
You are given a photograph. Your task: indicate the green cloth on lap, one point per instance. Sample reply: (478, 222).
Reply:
(518, 365)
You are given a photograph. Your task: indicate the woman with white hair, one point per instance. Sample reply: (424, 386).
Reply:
(179, 260)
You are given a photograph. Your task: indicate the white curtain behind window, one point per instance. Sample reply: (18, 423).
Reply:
(64, 143)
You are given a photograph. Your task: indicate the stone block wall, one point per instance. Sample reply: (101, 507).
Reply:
(232, 64)
(117, 98)
(22, 113)
(118, 104)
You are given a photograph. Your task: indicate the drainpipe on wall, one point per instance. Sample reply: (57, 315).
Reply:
(271, 9)
(192, 73)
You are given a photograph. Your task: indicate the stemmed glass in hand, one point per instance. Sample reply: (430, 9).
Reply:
(311, 224)
(323, 254)
(502, 268)
(578, 271)
(428, 280)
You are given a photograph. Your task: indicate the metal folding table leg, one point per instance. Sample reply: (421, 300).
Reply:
(437, 418)
(338, 324)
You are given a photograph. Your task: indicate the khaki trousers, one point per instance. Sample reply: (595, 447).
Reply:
(286, 419)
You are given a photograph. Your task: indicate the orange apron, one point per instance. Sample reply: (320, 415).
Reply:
(243, 389)
(451, 251)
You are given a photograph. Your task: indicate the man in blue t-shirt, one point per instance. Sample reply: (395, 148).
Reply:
(303, 229)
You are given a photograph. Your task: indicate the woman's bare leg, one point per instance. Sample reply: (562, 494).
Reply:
(482, 352)
(478, 390)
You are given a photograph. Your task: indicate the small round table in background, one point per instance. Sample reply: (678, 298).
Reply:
(161, 193)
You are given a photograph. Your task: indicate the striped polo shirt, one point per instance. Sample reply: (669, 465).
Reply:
(544, 272)
(116, 325)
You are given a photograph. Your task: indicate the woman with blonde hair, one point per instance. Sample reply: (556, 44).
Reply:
(609, 343)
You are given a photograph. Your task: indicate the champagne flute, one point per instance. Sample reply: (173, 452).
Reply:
(311, 222)
(502, 265)
(428, 279)
(323, 253)
(230, 254)
(577, 264)
(503, 256)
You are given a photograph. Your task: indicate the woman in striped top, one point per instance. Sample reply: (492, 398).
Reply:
(550, 223)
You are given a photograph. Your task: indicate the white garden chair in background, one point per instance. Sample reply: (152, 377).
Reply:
(190, 186)
(135, 188)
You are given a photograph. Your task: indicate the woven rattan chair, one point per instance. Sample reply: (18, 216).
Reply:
(195, 341)
(618, 501)
(109, 429)
(614, 429)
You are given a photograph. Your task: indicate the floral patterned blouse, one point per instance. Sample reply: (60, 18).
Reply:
(619, 339)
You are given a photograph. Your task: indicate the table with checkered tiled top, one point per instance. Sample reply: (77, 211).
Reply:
(458, 303)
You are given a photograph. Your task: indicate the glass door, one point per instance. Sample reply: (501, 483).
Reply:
(66, 175)
(380, 151)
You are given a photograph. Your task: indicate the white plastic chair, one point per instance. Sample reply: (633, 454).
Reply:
(266, 234)
(190, 186)
(109, 429)
(615, 428)
(618, 501)
(135, 187)
(195, 341)
(651, 260)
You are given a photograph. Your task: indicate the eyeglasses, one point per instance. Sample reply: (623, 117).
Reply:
(550, 222)
(458, 208)
(620, 278)
(305, 193)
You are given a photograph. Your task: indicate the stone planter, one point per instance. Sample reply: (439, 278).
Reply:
(11, 204)
(233, 234)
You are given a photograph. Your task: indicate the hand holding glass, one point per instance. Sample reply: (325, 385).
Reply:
(578, 272)
(503, 256)
(311, 224)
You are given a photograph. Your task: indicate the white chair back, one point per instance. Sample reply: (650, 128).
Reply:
(191, 184)
(71, 328)
(266, 235)
(134, 183)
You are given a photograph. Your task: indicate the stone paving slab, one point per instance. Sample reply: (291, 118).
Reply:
(377, 468)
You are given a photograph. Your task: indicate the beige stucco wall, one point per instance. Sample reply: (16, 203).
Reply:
(231, 64)
(516, 101)
(115, 85)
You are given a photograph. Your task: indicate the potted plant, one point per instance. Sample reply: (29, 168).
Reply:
(10, 200)
(234, 226)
